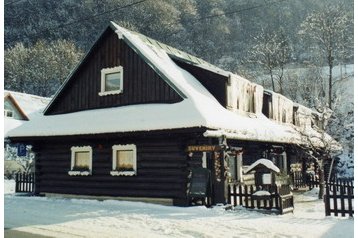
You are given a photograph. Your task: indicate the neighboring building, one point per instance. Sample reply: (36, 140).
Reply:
(19, 108)
(136, 115)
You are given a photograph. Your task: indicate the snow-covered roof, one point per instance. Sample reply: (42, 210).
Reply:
(198, 108)
(265, 162)
(10, 124)
(29, 103)
(180, 55)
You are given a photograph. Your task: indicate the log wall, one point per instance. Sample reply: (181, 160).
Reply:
(162, 168)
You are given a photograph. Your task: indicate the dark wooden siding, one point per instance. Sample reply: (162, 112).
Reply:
(162, 167)
(214, 83)
(141, 82)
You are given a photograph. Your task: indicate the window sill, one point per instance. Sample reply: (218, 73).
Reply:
(79, 173)
(122, 173)
(110, 93)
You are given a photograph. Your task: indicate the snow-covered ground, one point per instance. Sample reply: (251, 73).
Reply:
(91, 218)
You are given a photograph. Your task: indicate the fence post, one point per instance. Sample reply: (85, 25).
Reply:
(229, 194)
(26, 178)
(335, 207)
(252, 201)
(33, 183)
(16, 182)
(246, 196)
(350, 192)
(235, 195)
(342, 195)
(240, 195)
(327, 200)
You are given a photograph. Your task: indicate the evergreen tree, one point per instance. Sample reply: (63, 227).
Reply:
(41, 68)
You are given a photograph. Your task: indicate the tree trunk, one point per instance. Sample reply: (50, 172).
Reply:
(321, 180)
(272, 81)
(330, 64)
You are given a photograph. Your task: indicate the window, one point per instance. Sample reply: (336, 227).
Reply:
(124, 160)
(81, 160)
(234, 166)
(8, 113)
(111, 81)
(280, 160)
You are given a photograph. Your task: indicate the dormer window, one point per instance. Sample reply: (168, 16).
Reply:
(111, 81)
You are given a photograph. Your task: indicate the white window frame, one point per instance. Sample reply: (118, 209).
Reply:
(116, 172)
(6, 111)
(104, 72)
(75, 149)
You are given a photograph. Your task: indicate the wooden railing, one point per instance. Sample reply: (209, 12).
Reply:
(25, 182)
(339, 198)
(279, 199)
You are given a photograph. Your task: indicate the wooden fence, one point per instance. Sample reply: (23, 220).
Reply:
(280, 199)
(339, 198)
(25, 183)
(300, 180)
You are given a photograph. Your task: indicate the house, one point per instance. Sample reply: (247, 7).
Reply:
(18, 109)
(21, 107)
(136, 116)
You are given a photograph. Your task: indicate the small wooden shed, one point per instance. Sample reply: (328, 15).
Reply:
(265, 172)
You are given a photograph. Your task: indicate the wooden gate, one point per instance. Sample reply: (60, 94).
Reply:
(25, 183)
(339, 198)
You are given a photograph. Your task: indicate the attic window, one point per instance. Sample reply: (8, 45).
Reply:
(8, 113)
(111, 81)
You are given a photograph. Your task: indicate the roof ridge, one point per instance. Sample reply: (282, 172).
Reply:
(179, 54)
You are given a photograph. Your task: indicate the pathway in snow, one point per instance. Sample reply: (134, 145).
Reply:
(90, 218)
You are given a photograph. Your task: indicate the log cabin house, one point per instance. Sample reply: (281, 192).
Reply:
(135, 116)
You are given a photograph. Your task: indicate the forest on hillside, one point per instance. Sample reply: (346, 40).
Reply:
(291, 47)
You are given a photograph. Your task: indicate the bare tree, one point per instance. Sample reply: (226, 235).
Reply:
(25, 162)
(319, 145)
(330, 32)
(271, 52)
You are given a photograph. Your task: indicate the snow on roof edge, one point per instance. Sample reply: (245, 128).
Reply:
(265, 162)
(201, 105)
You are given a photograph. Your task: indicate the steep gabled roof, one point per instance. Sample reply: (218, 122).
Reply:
(27, 104)
(198, 108)
(9, 97)
(176, 54)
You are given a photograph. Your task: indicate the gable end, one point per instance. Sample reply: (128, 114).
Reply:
(142, 82)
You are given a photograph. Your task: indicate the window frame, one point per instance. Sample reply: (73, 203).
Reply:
(115, 171)
(106, 71)
(7, 111)
(74, 150)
